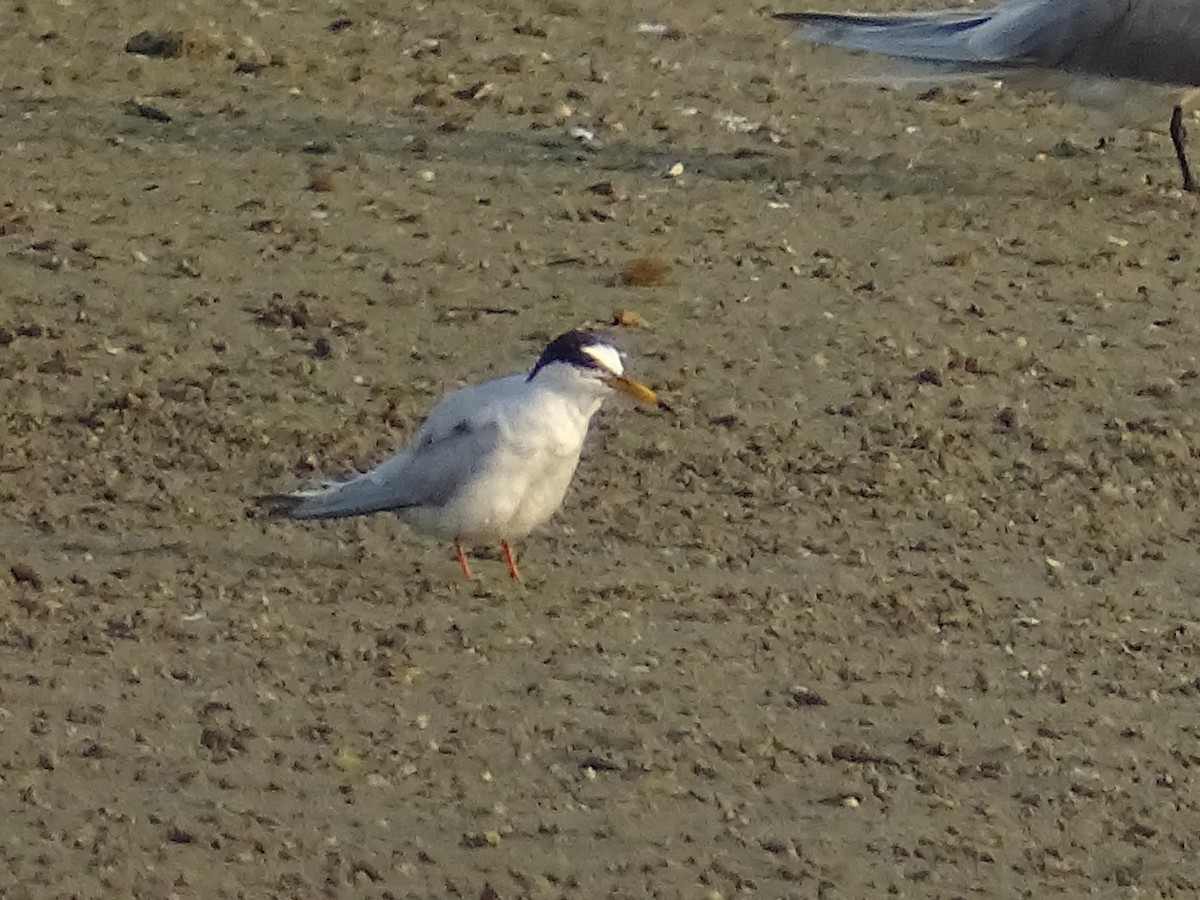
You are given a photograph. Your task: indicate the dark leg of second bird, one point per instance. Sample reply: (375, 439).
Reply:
(1178, 138)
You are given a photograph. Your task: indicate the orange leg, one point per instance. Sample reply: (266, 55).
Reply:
(512, 563)
(462, 560)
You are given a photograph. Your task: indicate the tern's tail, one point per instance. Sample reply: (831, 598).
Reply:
(334, 500)
(955, 37)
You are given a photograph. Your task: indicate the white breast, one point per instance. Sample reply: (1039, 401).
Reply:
(521, 483)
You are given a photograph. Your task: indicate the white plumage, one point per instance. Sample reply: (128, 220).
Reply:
(491, 462)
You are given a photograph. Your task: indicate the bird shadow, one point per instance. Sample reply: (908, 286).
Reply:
(407, 139)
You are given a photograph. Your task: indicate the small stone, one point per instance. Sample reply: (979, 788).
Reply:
(346, 760)
(23, 573)
(163, 45)
(627, 318)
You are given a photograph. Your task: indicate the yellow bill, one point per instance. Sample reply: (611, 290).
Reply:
(634, 389)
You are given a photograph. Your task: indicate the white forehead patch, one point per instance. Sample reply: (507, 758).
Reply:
(608, 356)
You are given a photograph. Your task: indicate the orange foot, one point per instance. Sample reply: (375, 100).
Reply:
(512, 563)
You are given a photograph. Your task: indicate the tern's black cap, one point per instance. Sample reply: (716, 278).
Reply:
(568, 348)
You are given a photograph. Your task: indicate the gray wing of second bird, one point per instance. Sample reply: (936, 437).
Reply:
(1151, 40)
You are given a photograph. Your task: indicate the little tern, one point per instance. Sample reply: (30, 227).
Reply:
(491, 462)
(1151, 41)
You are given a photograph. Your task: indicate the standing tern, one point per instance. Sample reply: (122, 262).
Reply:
(491, 462)
(1152, 41)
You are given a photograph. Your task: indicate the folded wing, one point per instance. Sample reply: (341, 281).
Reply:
(427, 474)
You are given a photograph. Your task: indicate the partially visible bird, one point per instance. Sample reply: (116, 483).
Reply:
(491, 462)
(1152, 41)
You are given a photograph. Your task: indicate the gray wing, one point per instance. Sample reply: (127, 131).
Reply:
(429, 474)
(1151, 40)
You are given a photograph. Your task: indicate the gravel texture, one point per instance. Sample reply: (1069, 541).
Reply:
(901, 601)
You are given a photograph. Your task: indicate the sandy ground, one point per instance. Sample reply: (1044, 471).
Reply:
(901, 602)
